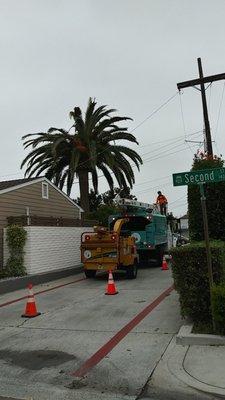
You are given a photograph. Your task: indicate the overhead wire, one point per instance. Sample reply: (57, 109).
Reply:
(141, 123)
(180, 205)
(219, 111)
(156, 110)
(183, 122)
(171, 139)
(150, 115)
(179, 198)
(164, 151)
(166, 184)
(152, 180)
(163, 156)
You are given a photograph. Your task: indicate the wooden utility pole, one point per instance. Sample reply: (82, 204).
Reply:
(201, 81)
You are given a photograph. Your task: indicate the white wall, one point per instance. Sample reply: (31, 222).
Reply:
(184, 223)
(50, 248)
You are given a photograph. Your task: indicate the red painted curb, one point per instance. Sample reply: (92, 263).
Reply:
(40, 292)
(108, 347)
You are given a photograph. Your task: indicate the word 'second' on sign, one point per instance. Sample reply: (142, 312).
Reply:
(201, 176)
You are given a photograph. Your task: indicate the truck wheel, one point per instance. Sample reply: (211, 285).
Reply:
(90, 273)
(132, 271)
(159, 257)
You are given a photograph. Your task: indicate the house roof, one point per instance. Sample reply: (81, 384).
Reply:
(15, 182)
(8, 186)
(185, 216)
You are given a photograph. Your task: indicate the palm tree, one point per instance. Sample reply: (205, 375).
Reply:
(62, 155)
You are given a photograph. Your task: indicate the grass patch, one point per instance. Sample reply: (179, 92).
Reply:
(204, 328)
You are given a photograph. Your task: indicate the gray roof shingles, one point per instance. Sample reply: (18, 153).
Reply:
(15, 182)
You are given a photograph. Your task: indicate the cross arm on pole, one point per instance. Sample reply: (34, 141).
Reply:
(206, 79)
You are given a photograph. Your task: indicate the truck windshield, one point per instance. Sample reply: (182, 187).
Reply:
(134, 224)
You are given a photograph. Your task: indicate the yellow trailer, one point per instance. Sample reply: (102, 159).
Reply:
(104, 250)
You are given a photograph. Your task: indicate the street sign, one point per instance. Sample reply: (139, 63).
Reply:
(201, 176)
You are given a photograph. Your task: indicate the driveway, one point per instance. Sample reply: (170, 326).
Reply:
(86, 345)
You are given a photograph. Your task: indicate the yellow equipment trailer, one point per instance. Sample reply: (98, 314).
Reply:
(104, 250)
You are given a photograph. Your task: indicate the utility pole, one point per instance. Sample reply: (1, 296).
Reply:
(201, 81)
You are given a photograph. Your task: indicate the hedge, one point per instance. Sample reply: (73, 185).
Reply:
(190, 275)
(16, 239)
(218, 303)
(215, 195)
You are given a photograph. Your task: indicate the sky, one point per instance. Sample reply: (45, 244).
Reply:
(128, 54)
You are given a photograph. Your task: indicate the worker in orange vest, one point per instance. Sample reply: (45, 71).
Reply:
(162, 201)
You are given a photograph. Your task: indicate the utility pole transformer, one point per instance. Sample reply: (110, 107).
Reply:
(201, 81)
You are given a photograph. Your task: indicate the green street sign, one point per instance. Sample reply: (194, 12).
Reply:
(201, 176)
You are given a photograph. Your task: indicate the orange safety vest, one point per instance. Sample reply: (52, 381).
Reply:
(161, 199)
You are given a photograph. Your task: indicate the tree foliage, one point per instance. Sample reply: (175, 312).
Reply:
(16, 239)
(215, 195)
(95, 200)
(88, 146)
(103, 212)
(190, 273)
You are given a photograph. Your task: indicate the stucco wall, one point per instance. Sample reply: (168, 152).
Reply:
(50, 248)
(18, 201)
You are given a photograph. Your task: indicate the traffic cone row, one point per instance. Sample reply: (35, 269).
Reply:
(31, 309)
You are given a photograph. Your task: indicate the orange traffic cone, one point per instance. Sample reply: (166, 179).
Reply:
(164, 265)
(31, 310)
(111, 287)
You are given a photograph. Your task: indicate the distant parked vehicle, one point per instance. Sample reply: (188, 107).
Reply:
(180, 240)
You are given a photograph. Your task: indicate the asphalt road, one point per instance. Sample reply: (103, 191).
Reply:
(86, 345)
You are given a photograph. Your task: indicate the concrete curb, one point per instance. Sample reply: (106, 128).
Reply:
(12, 284)
(186, 338)
(175, 365)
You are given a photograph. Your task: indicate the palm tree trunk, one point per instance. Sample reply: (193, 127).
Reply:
(84, 189)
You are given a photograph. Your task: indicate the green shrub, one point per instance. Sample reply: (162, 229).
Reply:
(102, 213)
(218, 305)
(215, 195)
(190, 275)
(16, 239)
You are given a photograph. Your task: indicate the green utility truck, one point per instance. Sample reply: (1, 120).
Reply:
(147, 226)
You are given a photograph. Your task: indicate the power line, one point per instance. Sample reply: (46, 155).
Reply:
(166, 184)
(171, 139)
(155, 111)
(152, 159)
(163, 156)
(156, 155)
(183, 122)
(220, 106)
(180, 205)
(175, 141)
(152, 180)
(141, 123)
(164, 151)
(179, 198)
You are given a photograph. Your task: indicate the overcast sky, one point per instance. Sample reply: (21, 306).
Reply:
(128, 54)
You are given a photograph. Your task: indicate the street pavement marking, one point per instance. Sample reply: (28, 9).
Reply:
(109, 346)
(41, 291)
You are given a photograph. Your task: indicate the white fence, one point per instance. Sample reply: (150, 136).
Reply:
(50, 248)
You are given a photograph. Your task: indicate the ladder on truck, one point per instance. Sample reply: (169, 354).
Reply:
(138, 204)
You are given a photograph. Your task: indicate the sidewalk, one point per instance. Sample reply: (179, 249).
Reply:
(8, 285)
(188, 372)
